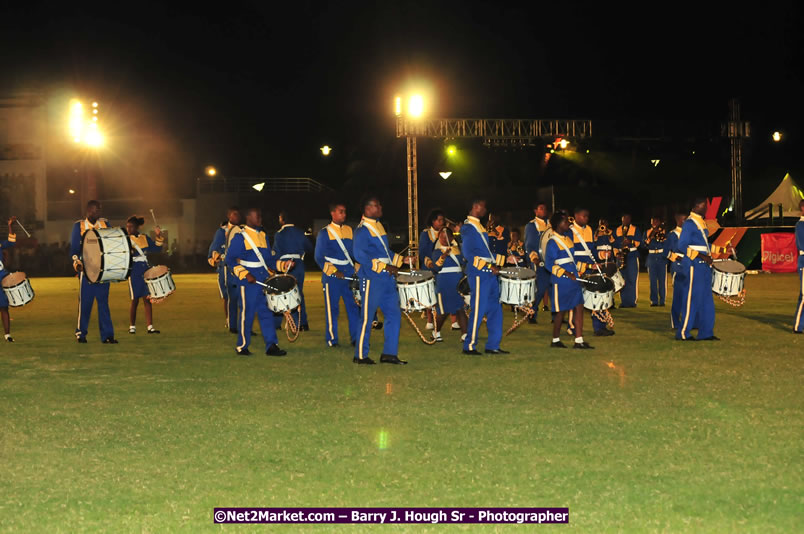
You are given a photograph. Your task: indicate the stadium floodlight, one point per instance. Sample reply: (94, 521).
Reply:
(445, 174)
(452, 150)
(416, 106)
(326, 150)
(777, 136)
(563, 144)
(211, 171)
(71, 191)
(398, 106)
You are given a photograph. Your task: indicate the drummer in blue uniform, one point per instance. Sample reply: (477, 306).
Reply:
(448, 264)
(250, 260)
(799, 322)
(227, 284)
(604, 242)
(10, 241)
(655, 239)
(88, 292)
(567, 294)
(290, 243)
(427, 242)
(585, 262)
(626, 240)
(499, 236)
(482, 268)
(333, 254)
(533, 235)
(516, 249)
(378, 268)
(141, 244)
(674, 257)
(698, 305)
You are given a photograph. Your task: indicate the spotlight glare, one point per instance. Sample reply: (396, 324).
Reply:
(416, 106)
(777, 136)
(563, 144)
(95, 138)
(258, 186)
(211, 171)
(398, 106)
(71, 191)
(452, 150)
(325, 150)
(445, 174)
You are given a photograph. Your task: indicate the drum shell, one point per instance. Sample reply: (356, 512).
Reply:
(518, 290)
(287, 300)
(727, 284)
(18, 290)
(159, 281)
(416, 291)
(111, 261)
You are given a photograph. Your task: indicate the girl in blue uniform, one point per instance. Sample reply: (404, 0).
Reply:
(448, 264)
(567, 295)
(141, 245)
(8, 243)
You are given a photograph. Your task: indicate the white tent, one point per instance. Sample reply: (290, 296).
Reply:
(788, 194)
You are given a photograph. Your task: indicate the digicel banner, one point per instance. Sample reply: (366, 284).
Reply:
(779, 254)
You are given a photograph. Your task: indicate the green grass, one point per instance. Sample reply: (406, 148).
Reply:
(151, 434)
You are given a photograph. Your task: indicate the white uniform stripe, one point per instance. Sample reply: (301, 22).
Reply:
(329, 312)
(801, 305)
(689, 300)
(475, 313)
(365, 320)
(242, 316)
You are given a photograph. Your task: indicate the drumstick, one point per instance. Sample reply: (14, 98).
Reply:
(23, 228)
(154, 216)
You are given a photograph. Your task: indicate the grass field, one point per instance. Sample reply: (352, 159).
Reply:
(641, 434)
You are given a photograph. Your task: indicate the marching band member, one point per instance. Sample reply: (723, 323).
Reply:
(674, 256)
(533, 235)
(626, 241)
(378, 267)
(567, 295)
(8, 243)
(799, 325)
(516, 248)
(482, 268)
(498, 235)
(227, 284)
(142, 244)
(698, 304)
(448, 263)
(333, 254)
(290, 243)
(604, 241)
(88, 292)
(427, 242)
(249, 259)
(655, 239)
(585, 262)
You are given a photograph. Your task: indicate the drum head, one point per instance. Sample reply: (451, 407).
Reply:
(14, 279)
(281, 283)
(91, 254)
(729, 266)
(155, 272)
(413, 277)
(463, 287)
(599, 284)
(518, 273)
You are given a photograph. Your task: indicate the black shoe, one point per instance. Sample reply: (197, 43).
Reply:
(253, 333)
(497, 351)
(110, 341)
(604, 333)
(621, 306)
(274, 350)
(154, 331)
(244, 352)
(661, 305)
(364, 361)
(652, 305)
(11, 339)
(81, 339)
(557, 345)
(354, 343)
(545, 308)
(688, 339)
(532, 320)
(389, 358)
(233, 330)
(472, 352)
(376, 325)
(798, 332)
(712, 338)
(334, 345)
(583, 345)
(305, 328)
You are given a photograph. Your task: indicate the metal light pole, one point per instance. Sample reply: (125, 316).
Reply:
(413, 200)
(736, 131)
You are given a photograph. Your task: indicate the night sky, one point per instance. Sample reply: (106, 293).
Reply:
(256, 89)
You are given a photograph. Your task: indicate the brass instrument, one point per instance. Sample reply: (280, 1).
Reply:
(452, 225)
(659, 234)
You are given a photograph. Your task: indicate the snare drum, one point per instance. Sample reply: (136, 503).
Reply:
(416, 290)
(517, 286)
(598, 296)
(18, 289)
(282, 293)
(106, 255)
(465, 290)
(611, 271)
(160, 283)
(728, 278)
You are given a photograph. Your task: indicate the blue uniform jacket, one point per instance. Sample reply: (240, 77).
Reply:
(290, 243)
(148, 246)
(499, 240)
(8, 243)
(242, 259)
(800, 242)
(79, 229)
(427, 243)
(632, 233)
(557, 260)
(476, 249)
(604, 246)
(449, 263)
(694, 239)
(671, 251)
(533, 235)
(655, 245)
(583, 259)
(373, 251)
(328, 254)
(217, 249)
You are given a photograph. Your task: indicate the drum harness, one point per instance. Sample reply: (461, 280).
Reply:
(292, 330)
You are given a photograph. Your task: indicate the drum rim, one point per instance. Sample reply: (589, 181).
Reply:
(24, 279)
(167, 272)
(716, 266)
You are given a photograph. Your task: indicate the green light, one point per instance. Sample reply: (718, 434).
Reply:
(587, 150)
(382, 440)
(552, 151)
(452, 150)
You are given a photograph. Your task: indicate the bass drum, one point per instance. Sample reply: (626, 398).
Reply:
(545, 238)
